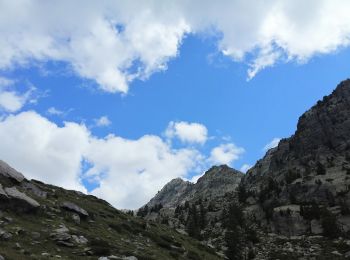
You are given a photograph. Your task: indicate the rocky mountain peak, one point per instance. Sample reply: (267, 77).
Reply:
(219, 172)
(217, 181)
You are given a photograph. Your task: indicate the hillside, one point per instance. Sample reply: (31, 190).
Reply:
(40, 221)
(297, 196)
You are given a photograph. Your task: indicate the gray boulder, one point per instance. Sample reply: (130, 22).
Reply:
(2, 192)
(20, 201)
(75, 208)
(8, 172)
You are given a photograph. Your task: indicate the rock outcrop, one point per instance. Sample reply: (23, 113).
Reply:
(20, 200)
(75, 208)
(298, 192)
(8, 172)
(215, 183)
(310, 168)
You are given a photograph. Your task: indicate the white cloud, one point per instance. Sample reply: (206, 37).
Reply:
(42, 150)
(225, 154)
(274, 143)
(128, 172)
(12, 101)
(54, 111)
(187, 132)
(245, 167)
(5, 82)
(103, 121)
(136, 169)
(115, 42)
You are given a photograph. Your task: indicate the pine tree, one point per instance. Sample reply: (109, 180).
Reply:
(192, 222)
(202, 219)
(234, 236)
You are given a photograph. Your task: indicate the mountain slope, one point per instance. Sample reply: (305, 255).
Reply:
(310, 168)
(216, 182)
(298, 190)
(40, 221)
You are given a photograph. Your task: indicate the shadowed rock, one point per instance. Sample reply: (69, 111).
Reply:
(8, 172)
(75, 208)
(20, 201)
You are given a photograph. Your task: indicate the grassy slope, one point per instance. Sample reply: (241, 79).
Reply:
(109, 231)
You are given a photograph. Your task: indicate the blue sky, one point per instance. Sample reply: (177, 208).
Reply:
(175, 116)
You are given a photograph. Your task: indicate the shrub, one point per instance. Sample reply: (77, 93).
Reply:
(330, 226)
(100, 247)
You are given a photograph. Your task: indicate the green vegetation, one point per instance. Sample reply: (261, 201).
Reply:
(108, 231)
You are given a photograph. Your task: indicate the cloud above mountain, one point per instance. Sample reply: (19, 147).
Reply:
(115, 42)
(187, 132)
(126, 172)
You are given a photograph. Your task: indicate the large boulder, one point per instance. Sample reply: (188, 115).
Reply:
(20, 201)
(8, 172)
(75, 208)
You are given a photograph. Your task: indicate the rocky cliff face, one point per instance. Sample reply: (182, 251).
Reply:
(215, 183)
(180, 203)
(310, 168)
(298, 193)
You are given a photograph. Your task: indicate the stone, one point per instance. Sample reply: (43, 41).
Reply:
(61, 234)
(2, 258)
(34, 189)
(75, 208)
(64, 243)
(2, 192)
(336, 253)
(20, 201)
(8, 172)
(316, 227)
(76, 218)
(347, 254)
(79, 239)
(4, 235)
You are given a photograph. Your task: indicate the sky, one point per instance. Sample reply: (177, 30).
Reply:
(127, 95)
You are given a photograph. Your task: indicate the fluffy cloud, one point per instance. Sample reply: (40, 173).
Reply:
(274, 143)
(128, 172)
(103, 121)
(136, 169)
(54, 111)
(225, 154)
(42, 150)
(187, 132)
(11, 100)
(115, 42)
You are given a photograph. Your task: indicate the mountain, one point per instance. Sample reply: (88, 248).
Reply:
(295, 202)
(41, 221)
(215, 183)
(309, 169)
(181, 200)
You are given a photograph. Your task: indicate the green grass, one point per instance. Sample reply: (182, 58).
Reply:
(109, 231)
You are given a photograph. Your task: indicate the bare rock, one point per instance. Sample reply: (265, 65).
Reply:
(76, 218)
(80, 239)
(316, 227)
(2, 192)
(20, 201)
(8, 172)
(75, 208)
(28, 186)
